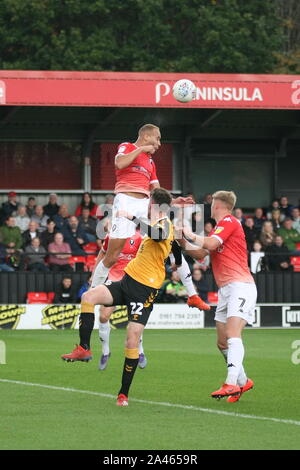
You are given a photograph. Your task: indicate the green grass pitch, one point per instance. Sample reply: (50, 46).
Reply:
(184, 367)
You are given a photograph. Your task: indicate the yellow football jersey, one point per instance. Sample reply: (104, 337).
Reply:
(148, 267)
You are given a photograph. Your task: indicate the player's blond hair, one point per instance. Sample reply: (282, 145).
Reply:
(228, 197)
(147, 128)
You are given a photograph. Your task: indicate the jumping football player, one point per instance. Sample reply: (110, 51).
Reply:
(137, 289)
(135, 178)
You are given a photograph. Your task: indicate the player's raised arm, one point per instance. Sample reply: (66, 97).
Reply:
(158, 231)
(195, 245)
(123, 160)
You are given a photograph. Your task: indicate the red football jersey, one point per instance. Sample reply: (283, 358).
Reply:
(129, 252)
(230, 260)
(139, 175)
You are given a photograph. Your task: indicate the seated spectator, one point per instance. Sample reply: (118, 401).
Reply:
(200, 283)
(285, 207)
(35, 256)
(175, 292)
(9, 207)
(276, 218)
(88, 224)
(48, 235)
(75, 236)
(60, 252)
(30, 206)
(278, 256)
(22, 219)
(258, 219)
(267, 234)
(87, 201)
(52, 207)
(238, 214)
(62, 218)
(40, 218)
(290, 236)
(274, 206)
(31, 233)
(296, 218)
(4, 267)
(65, 293)
(10, 234)
(257, 261)
(251, 233)
(208, 226)
(14, 258)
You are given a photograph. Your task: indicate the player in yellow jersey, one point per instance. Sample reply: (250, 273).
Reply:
(138, 288)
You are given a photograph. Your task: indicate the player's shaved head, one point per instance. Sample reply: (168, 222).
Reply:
(147, 129)
(227, 197)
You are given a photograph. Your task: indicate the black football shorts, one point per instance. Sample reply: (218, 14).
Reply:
(136, 296)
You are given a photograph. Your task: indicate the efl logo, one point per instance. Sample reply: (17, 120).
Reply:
(2, 93)
(290, 317)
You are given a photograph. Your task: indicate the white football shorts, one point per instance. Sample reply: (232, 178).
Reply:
(121, 227)
(236, 299)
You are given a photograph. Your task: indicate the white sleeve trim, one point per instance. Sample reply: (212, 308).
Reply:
(153, 181)
(218, 238)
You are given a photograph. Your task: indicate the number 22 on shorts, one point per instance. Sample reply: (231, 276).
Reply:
(136, 309)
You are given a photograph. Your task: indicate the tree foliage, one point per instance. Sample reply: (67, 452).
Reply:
(207, 36)
(288, 58)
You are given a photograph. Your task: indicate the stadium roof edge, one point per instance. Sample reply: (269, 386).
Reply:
(147, 89)
(91, 75)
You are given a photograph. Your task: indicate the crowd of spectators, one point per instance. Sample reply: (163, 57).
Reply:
(43, 238)
(40, 238)
(272, 235)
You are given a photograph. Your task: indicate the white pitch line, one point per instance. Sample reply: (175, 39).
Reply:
(157, 403)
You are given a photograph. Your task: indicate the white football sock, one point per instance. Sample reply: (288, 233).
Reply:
(185, 275)
(242, 377)
(99, 275)
(104, 332)
(235, 358)
(141, 349)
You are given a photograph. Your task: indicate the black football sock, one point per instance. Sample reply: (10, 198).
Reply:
(86, 324)
(129, 368)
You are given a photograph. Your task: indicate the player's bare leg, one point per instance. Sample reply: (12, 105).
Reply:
(99, 295)
(134, 333)
(104, 334)
(115, 246)
(231, 347)
(185, 275)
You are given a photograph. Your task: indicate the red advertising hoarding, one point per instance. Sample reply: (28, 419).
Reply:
(128, 89)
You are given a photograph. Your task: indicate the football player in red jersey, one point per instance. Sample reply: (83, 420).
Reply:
(135, 179)
(237, 291)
